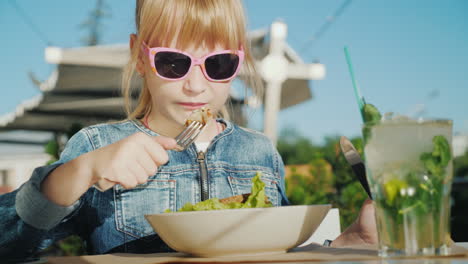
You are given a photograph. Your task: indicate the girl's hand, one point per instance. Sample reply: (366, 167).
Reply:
(363, 231)
(128, 162)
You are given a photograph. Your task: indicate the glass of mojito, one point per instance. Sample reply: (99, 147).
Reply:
(409, 169)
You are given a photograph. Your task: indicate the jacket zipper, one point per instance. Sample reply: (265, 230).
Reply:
(203, 176)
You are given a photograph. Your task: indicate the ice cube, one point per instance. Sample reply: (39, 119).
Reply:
(387, 116)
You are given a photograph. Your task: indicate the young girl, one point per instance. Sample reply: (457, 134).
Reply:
(187, 53)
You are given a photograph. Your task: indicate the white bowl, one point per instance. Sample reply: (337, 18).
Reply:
(238, 231)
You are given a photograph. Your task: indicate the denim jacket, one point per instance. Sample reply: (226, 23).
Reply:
(113, 221)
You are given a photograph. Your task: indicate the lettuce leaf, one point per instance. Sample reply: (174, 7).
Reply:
(256, 199)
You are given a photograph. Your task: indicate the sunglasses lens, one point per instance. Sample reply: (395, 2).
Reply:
(171, 65)
(221, 66)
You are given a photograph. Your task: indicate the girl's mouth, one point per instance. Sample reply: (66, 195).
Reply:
(191, 106)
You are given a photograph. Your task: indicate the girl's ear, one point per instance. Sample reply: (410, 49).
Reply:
(140, 62)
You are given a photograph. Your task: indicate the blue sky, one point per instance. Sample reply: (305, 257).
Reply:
(405, 54)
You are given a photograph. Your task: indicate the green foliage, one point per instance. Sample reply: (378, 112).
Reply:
(313, 188)
(296, 149)
(336, 185)
(72, 246)
(69, 246)
(52, 148)
(349, 201)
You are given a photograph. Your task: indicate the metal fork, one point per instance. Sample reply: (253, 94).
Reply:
(188, 135)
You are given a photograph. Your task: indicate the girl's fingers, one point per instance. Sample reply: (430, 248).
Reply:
(156, 151)
(147, 163)
(139, 174)
(166, 142)
(136, 158)
(127, 179)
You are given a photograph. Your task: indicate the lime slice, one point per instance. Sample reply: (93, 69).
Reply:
(392, 189)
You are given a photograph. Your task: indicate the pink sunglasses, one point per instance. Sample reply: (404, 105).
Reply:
(172, 64)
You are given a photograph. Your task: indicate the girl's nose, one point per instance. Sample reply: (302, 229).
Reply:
(196, 81)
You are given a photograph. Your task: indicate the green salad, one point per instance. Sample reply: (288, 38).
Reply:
(256, 199)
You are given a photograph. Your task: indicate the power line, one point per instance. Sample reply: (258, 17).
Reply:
(29, 22)
(329, 21)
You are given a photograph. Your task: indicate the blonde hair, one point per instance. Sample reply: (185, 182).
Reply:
(192, 22)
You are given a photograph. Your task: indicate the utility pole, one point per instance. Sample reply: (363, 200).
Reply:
(94, 24)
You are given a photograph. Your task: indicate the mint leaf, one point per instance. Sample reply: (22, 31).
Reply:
(371, 114)
(436, 161)
(441, 150)
(430, 164)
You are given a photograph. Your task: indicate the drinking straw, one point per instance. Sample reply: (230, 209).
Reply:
(359, 99)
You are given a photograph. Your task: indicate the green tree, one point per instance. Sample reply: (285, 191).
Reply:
(341, 189)
(296, 149)
(316, 187)
(349, 194)
(350, 201)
